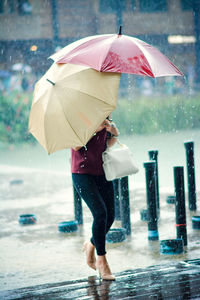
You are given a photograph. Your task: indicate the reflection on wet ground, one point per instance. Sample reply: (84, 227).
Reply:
(172, 281)
(39, 254)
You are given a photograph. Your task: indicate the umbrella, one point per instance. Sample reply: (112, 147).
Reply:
(4, 73)
(21, 67)
(117, 53)
(69, 104)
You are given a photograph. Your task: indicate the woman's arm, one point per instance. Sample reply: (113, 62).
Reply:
(111, 141)
(112, 129)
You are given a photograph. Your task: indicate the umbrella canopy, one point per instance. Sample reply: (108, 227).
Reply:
(69, 104)
(117, 53)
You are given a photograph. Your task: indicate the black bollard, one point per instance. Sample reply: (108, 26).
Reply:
(144, 215)
(125, 205)
(116, 186)
(150, 172)
(189, 146)
(181, 229)
(78, 211)
(153, 155)
(196, 222)
(170, 199)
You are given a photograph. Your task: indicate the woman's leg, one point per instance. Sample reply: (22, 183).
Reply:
(89, 249)
(107, 192)
(88, 189)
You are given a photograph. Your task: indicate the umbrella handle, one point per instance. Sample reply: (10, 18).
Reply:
(120, 30)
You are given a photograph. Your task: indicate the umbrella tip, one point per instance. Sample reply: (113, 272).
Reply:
(120, 30)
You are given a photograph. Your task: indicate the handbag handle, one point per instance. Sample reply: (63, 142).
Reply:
(119, 143)
(122, 145)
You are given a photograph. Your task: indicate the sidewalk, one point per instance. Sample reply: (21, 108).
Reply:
(38, 254)
(172, 281)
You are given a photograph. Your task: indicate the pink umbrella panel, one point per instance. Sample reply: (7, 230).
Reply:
(119, 54)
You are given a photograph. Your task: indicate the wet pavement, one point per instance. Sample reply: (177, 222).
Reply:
(172, 281)
(40, 255)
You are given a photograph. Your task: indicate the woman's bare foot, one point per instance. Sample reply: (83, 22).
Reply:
(89, 249)
(103, 268)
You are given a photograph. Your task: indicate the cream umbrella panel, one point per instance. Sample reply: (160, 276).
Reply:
(69, 103)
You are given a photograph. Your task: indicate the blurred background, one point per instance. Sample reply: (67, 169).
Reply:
(31, 30)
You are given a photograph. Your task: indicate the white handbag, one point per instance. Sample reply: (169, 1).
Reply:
(118, 162)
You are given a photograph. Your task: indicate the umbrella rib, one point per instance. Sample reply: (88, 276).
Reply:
(105, 56)
(141, 49)
(144, 50)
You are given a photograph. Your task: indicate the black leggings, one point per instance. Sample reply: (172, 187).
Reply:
(98, 194)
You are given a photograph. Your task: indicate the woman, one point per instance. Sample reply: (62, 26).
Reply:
(90, 182)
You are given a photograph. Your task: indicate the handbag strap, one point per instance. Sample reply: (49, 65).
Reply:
(119, 143)
(122, 145)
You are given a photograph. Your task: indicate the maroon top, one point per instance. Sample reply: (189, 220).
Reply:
(88, 160)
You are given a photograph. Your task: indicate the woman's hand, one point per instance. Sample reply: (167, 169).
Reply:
(105, 124)
(111, 127)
